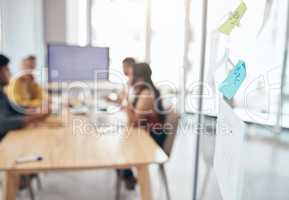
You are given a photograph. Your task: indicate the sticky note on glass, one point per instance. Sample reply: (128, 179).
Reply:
(234, 20)
(232, 83)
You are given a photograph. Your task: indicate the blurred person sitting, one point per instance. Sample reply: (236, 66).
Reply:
(23, 90)
(122, 97)
(146, 111)
(12, 116)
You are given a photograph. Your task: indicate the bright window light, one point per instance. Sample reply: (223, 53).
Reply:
(82, 22)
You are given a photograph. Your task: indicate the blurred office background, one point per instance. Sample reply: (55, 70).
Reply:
(167, 33)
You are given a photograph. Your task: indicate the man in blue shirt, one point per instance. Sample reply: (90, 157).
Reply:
(11, 116)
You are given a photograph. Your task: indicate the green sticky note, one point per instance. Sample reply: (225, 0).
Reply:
(234, 19)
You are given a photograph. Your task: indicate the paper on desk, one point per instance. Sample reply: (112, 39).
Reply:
(234, 20)
(228, 167)
(232, 83)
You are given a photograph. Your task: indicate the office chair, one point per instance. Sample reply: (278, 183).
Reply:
(28, 182)
(172, 119)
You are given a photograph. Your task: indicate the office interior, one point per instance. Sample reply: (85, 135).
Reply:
(188, 56)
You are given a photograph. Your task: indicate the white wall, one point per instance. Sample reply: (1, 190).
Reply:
(28, 25)
(22, 30)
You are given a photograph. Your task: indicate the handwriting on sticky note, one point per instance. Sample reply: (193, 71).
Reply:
(232, 83)
(234, 19)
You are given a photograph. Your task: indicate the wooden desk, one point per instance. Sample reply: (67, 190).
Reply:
(69, 148)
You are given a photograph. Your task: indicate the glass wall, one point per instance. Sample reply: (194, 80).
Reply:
(121, 25)
(259, 41)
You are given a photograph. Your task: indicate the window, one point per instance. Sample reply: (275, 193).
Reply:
(167, 40)
(120, 25)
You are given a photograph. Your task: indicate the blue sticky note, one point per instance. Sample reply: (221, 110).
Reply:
(232, 83)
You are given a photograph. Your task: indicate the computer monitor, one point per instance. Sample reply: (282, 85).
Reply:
(67, 63)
